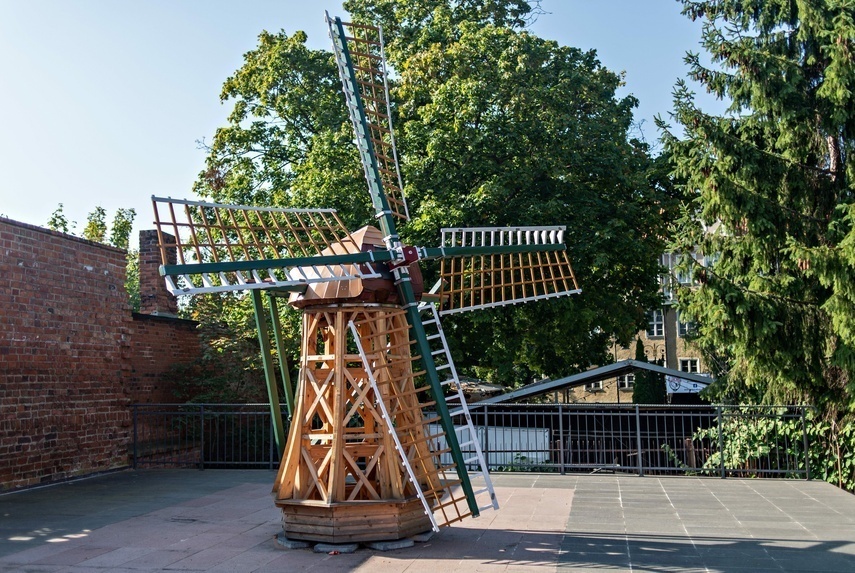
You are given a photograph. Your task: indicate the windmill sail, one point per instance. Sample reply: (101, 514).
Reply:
(208, 247)
(533, 266)
(362, 66)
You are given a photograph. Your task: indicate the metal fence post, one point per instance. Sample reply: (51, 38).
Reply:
(561, 438)
(806, 443)
(134, 410)
(202, 436)
(486, 439)
(638, 441)
(720, 441)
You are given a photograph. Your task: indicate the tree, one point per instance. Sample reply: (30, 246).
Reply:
(288, 141)
(230, 367)
(772, 207)
(120, 234)
(496, 126)
(649, 387)
(120, 230)
(96, 225)
(132, 279)
(58, 221)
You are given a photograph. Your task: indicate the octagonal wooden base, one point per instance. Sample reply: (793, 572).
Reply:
(353, 521)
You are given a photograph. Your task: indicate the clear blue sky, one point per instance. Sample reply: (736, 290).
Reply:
(102, 102)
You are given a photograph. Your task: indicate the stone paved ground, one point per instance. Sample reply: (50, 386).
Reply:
(224, 521)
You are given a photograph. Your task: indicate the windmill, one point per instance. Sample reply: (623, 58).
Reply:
(372, 452)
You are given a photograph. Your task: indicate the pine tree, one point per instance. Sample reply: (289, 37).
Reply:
(773, 196)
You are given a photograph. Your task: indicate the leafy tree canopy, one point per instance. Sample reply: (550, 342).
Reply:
(58, 221)
(495, 127)
(96, 225)
(120, 230)
(772, 182)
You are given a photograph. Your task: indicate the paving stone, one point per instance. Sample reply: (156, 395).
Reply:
(339, 547)
(210, 521)
(423, 537)
(291, 543)
(390, 545)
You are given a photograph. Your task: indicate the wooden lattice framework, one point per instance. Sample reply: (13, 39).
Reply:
(342, 453)
(367, 96)
(489, 279)
(214, 236)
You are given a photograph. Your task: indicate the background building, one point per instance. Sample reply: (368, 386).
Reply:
(665, 342)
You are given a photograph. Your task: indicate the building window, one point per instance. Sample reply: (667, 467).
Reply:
(626, 381)
(676, 276)
(689, 365)
(684, 329)
(656, 323)
(594, 386)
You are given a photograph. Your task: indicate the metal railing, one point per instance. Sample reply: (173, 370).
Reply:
(203, 436)
(739, 441)
(647, 440)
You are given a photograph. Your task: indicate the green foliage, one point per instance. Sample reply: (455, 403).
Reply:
(496, 127)
(756, 439)
(58, 221)
(772, 190)
(288, 141)
(649, 387)
(132, 279)
(120, 234)
(230, 369)
(751, 437)
(120, 230)
(96, 225)
(832, 450)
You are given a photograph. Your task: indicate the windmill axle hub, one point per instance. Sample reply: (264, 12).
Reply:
(405, 255)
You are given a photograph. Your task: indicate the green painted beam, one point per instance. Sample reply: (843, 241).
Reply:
(280, 350)
(269, 372)
(381, 256)
(246, 266)
(418, 334)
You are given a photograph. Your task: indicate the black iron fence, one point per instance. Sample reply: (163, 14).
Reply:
(561, 438)
(203, 436)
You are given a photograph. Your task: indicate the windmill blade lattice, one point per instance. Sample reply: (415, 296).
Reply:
(477, 281)
(209, 247)
(362, 66)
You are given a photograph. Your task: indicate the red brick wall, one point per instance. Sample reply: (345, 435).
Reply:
(154, 298)
(157, 344)
(64, 327)
(72, 356)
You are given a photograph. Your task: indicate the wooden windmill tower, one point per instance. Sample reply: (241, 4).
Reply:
(372, 451)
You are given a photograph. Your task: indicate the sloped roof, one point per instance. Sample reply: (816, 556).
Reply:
(594, 375)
